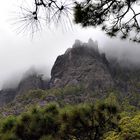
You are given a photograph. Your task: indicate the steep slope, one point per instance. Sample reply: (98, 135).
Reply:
(7, 95)
(81, 65)
(31, 82)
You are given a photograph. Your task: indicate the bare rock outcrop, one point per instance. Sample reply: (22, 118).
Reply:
(81, 65)
(31, 82)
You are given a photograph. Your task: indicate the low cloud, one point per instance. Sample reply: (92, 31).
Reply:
(125, 52)
(16, 78)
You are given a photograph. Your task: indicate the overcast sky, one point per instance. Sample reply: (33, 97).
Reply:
(18, 53)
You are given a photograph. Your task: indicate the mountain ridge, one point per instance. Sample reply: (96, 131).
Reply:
(81, 65)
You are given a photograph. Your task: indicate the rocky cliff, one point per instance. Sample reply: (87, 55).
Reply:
(82, 65)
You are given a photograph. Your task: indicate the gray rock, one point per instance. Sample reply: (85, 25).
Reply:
(81, 66)
(6, 96)
(30, 82)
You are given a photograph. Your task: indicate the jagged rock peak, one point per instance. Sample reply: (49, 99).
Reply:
(90, 44)
(81, 64)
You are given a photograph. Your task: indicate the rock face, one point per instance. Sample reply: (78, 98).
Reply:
(31, 82)
(7, 96)
(81, 65)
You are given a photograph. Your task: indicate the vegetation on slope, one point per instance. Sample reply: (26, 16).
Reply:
(107, 119)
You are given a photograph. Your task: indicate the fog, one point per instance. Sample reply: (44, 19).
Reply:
(41, 61)
(20, 53)
(125, 52)
(13, 80)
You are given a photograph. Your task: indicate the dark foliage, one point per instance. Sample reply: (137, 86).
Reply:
(33, 15)
(85, 121)
(105, 119)
(116, 17)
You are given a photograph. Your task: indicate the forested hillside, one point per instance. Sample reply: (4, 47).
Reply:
(88, 97)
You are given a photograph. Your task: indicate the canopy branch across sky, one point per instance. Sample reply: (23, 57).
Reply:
(115, 17)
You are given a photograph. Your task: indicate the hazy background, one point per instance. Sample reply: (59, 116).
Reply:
(18, 53)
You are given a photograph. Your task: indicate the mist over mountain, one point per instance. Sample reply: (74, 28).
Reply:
(30, 80)
(84, 64)
(85, 83)
(16, 78)
(124, 53)
(81, 65)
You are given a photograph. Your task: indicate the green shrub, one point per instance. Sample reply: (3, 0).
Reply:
(8, 124)
(72, 122)
(9, 136)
